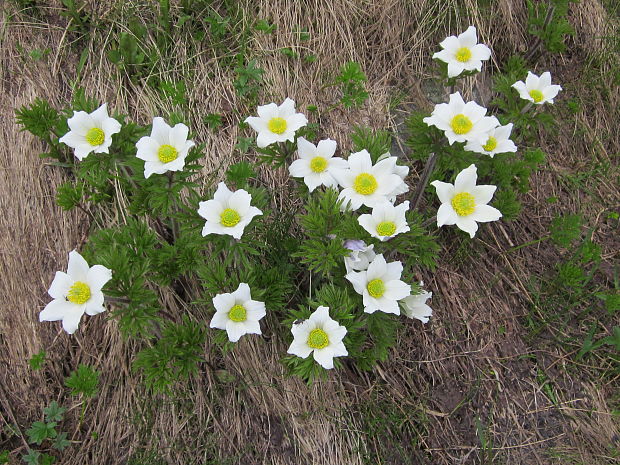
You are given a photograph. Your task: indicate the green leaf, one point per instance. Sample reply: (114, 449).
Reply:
(566, 229)
(40, 431)
(239, 173)
(37, 360)
(61, 442)
(54, 412)
(32, 457)
(84, 380)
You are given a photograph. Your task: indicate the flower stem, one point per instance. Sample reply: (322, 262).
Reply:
(173, 221)
(525, 109)
(426, 175)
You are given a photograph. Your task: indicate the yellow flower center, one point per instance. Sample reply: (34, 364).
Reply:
(490, 145)
(365, 184)
(95, 136)
(386, 228)
(277, 125)
(318, 164)
(318, 339)
(463, 54)
(536, 95)
(167, 153)
(238, 313)
(463, 203)
(79, 293)
(229, 218)
(376, 288)
(461, 124)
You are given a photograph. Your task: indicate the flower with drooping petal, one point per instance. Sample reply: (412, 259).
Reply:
(317, 163)
(415, 306)
(462, 121)
(90, 132)
(276, 123)
(237, 313)
(380, 285)
(165, 149)
(402, 171)
(321, 336)
(463, 52)
(464, 203)
(228, 212)
(385, 221)
(76, 292)
(537, 89)
(498, 141)
(365, 183)
(360, 257)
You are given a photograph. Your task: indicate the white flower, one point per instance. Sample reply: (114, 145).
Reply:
(237, 313)
(276, 123)
(463, 53)
(464, 203)
(365, 184)
(414, 306)
(228, 212)
(165, 149)
(380, 286)
(498, 141)
(402, 171)
(537, 89)
(90, 132)
(462, 121)
(76, 292)
(316, 163)
(385, 221)
(320, 335)
(360, 257)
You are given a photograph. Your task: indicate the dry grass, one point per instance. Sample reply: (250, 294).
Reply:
(443, 385)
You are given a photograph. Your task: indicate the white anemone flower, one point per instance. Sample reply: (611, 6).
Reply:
(537, 89)
(464, 203)
(463, 52)
(402, 171)
(237, 313)
(321, 336)
(90, 132)
(498, 141)
(365, 183)
(360, 257)
(76, 292)
(415, 306)
(228, 212)
(380, 286)
(317, 163)
(165, 149)
(462, 121)
(276, 123)
(385, 221)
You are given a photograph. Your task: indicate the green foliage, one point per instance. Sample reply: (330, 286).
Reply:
(566, 229)
(61, 442)
(54, 412)
(84, 381)
(239, 173)
(80, 20)
(69, 195)
(41, 120)
(377, 142)
(174, 356)
(248, 81)
(548, 22)
(213, 121)
(40, 431)
(263, 25)
(37, 360)
(352, 79)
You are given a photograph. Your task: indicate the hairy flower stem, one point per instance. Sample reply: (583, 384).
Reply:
(525, 109)
(424, 178)
(173, 221)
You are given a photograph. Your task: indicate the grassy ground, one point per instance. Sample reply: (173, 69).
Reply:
(494, 378)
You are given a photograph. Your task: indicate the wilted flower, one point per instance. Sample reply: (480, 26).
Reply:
(498, 141)
(365, 183)
(90, 132)
(165, 149)
(414, 306)
(386, 220)
(320, 335)
(463, 53)
(228, 212)
(537, 89)
(380, 286)
(76, 292)
(237, 313)
(464, 203)
(276, 123)
(462, 121)
(402, 171)
(317, 163)
(360, 257)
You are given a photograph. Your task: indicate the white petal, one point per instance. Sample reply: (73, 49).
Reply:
(252, 327)
(358, 280)
(486, 213)
(377, 268)
(55, 310)
(240, 201)
(60, 285)
(222, 193)
(255, 309)
(100, 115)
(324, 357)
(480, 52)
(466, 180)
(98, 276)
(468, 38)
(549, 93)
(299, 168)
(320, 315)
(71, 320)
(396, 290)
(544, 80)
(306, 149)
(266, 112)
(287, 108)
(111, 126)
(235, 330)
(210, 210)
(296, 121)
(242, 294)
(340, 350)
(95, 305)
(483, 194)
(147, 149)
(446, 215)
(360, 162)
(77, 268)
(300, 348)
(223, 302)
(531, 81)
(450, 43)
(219, 320)
(266, 138)
(80, 123)
(445, 191)
(455, 68)
(160, 131)
(467, 224)
(82, 150)
(258, 124)
(72, 139)
(326, 148)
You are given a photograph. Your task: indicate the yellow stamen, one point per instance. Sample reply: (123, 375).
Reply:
(95, 136)
(376, 288)
(79, 293)
(318, 339)
(463, 203)
(277, 125)
(461, 124)
(490, 145)
(167, 153)
(365, 184)
(229, 218)
(318, 164)
(238, 313)
(536, 95)
(386, 228)
(463, 54)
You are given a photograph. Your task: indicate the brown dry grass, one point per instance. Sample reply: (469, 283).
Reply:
(441, 380)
